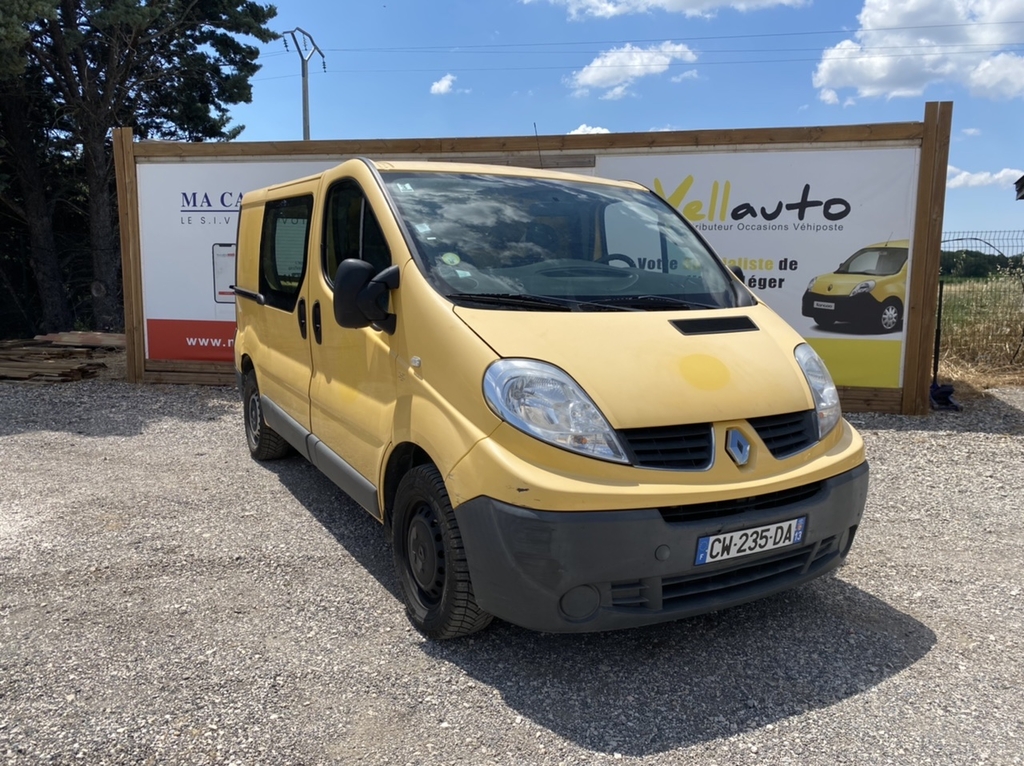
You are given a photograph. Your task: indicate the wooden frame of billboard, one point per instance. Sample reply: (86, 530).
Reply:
(931, 135)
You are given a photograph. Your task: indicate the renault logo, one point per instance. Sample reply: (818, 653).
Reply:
(738, 447)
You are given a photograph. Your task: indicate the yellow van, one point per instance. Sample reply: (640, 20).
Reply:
(868, 290)
(562, 407)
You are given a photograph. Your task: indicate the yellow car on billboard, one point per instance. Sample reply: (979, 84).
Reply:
(868, 289)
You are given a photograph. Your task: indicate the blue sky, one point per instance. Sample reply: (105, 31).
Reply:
(410, 68)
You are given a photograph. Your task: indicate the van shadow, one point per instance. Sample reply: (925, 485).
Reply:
(649, 690)
(645, 691)
(353, 528)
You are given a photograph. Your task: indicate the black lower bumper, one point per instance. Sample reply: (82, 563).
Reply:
(844, 308)
(592, 571)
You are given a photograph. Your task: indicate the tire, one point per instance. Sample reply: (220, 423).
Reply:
(890, 318)
(430, 560)
(264, 442)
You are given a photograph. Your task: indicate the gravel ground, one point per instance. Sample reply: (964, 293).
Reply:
(165, 599)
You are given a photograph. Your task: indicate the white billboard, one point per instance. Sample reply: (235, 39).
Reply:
(829, 221)
(808, 228)
(188, 219)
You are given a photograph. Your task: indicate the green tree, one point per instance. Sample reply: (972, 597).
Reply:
(166, 68)
(27, 154)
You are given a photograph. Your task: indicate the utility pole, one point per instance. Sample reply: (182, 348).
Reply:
(305, 51)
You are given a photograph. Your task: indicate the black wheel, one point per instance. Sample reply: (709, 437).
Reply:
(264, 442)
(614, 258)
(891, 315)
(430, 560)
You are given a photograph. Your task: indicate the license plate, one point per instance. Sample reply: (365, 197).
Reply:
(824, 305)
(745, 542)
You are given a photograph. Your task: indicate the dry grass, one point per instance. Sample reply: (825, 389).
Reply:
(972, 380)
(983, 322)
(983, 334)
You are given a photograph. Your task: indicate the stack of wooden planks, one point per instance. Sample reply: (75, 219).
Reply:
(56, 357)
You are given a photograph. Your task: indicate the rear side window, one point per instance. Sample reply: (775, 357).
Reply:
(352, 231)
(283, 250)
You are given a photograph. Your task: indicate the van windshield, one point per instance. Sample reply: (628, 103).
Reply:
(541, 244)
(877, 261)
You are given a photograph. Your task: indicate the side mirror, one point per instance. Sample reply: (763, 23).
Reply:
(743, 296)
(361, 297)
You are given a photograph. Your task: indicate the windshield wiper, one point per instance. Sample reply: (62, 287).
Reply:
(538, 302)
(652, 301)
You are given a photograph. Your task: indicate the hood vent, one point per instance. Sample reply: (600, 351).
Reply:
(714, 325)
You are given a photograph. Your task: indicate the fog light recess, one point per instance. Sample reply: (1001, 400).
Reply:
(581, 602)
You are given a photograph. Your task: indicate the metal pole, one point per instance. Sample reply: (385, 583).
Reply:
(310, 44)
(305, 99)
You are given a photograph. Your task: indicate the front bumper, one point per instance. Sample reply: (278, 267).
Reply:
(845, 308)
(590, 571)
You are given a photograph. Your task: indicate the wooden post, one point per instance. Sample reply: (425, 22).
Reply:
(131, 252)
(923, 292)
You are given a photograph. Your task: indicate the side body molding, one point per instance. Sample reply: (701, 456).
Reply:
(320, 455)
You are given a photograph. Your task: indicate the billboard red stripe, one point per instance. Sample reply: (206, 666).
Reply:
(188, 340)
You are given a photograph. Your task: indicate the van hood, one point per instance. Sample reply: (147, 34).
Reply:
(642, 371)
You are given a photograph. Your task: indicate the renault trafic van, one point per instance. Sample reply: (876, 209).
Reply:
(563, 408)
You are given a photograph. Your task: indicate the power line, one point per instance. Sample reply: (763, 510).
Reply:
(673, 64)
(928, 49)
(689, 38)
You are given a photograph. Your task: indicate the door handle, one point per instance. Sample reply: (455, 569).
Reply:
(317, 334)
(302, 317)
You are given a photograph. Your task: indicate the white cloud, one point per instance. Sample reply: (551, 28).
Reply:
(828, 95)
(586, 130)
(1001, 76)
(615, 93)
(903, 46)
(959, 179)
(615, 70)
(609, 8)
(689, 74)
(444, 85)
(971, 132)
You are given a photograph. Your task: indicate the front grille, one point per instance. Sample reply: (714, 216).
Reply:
(718, 508)
(785, 435)
(698, 591)
(681, 448)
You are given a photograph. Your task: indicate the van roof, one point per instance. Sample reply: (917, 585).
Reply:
(891, 243)
(443, 166)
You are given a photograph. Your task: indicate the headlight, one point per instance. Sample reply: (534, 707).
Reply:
(863, 287)
(826, 397)
(810, 285)
(541, 400)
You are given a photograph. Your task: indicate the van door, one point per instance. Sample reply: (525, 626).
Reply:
(352, 392)
(281, 354)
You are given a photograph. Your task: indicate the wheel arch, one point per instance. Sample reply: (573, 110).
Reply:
(403, 458)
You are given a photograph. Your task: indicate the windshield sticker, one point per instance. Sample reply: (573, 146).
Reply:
(451, 259)
(405, 188)
(422, 228)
